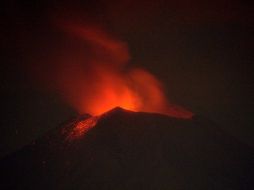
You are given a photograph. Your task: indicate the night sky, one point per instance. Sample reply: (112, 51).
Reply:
(201, 51)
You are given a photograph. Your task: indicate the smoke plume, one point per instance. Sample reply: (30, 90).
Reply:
(91, 72)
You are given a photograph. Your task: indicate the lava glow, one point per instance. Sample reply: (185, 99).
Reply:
(93, 75)
(82, 127)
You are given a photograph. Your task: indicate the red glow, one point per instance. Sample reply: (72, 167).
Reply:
(82, 127)
(91, 74)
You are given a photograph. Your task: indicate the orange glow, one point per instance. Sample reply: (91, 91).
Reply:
(82, 127)
(92, 75)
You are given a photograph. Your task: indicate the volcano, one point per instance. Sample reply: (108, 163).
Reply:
(131, 150)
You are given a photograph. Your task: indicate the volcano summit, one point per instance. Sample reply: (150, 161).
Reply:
(131, 150)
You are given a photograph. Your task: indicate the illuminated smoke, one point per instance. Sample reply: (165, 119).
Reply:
(93, 76)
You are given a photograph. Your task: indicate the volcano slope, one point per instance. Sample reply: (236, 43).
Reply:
(132, 150)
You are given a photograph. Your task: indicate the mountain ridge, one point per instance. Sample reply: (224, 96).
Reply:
(132, 150)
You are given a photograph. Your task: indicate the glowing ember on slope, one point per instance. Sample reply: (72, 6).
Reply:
(82, 127)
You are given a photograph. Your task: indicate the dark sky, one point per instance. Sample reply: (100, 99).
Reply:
(201, 51)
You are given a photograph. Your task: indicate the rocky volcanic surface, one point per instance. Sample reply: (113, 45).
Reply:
(126, 150)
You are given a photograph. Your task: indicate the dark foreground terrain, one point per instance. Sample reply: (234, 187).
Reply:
(127, 151)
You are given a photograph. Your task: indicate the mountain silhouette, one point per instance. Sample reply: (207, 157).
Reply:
(127, 150)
